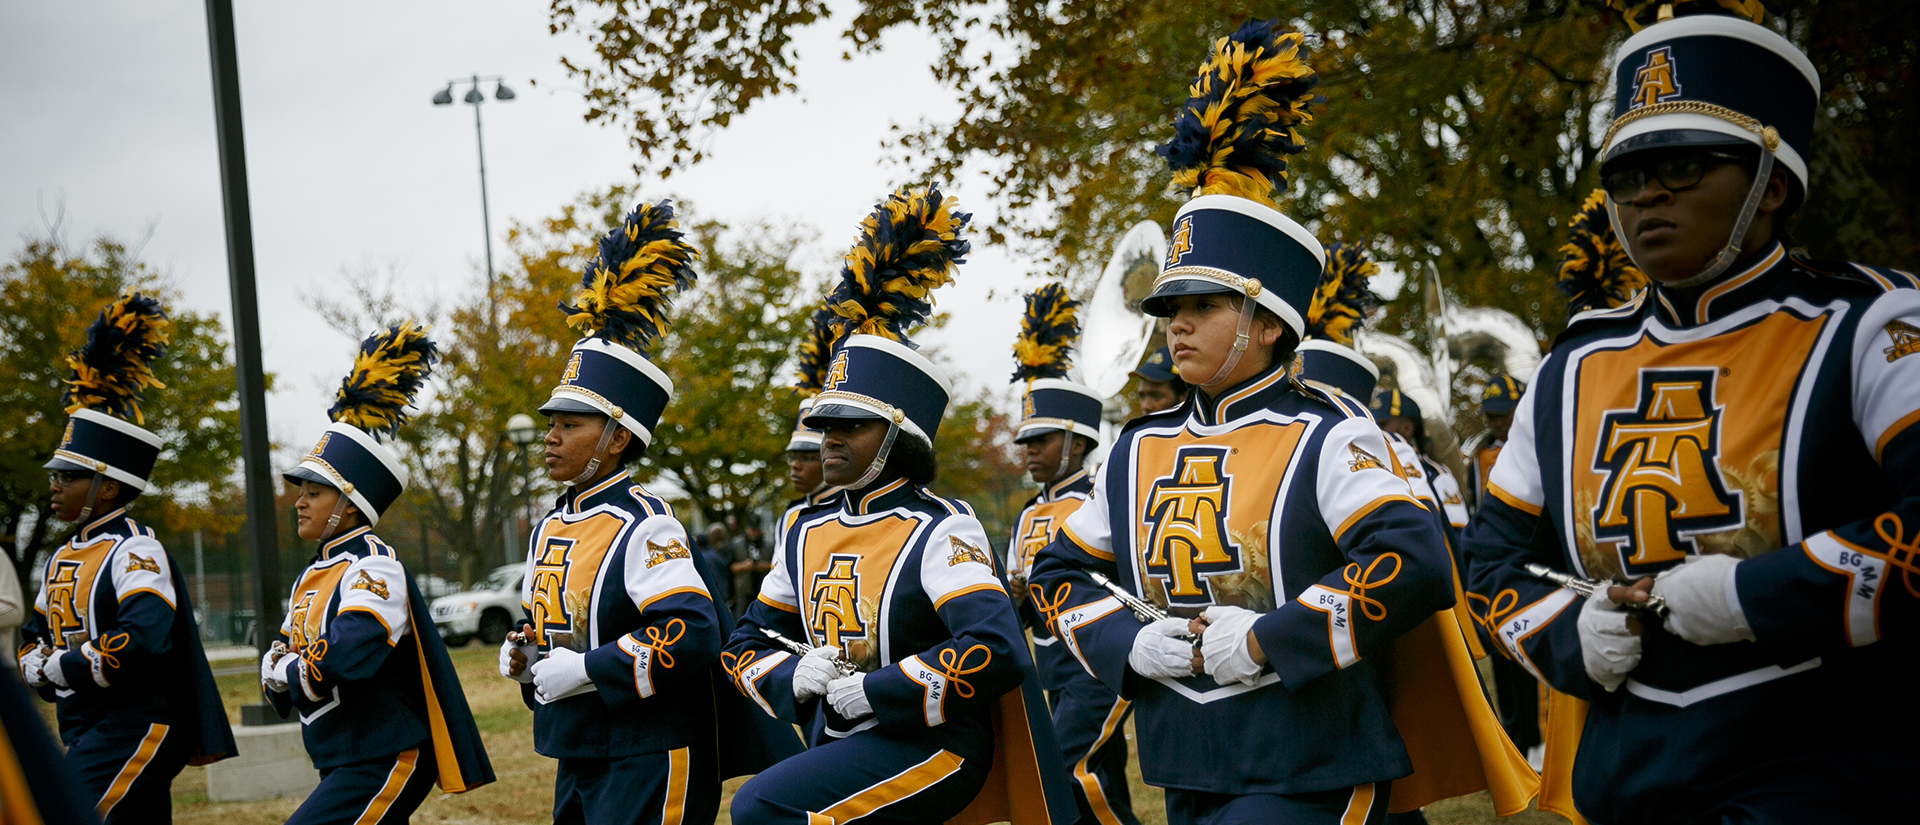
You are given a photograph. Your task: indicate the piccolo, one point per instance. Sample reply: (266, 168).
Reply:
(1144, 610)
(278, 650)
(846, 668)
(1587, 587)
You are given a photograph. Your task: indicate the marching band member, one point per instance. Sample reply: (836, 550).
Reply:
(1399, 417)
(1160, 387)
(1497, 400)
(381, 709)
(1293, 719)
(618, 653)
(915, 650)
(1739, 439)
(803, 447)
(112, 641)
(1059, 425)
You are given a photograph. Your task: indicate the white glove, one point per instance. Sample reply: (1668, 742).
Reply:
(1225, 645)
(1159, 652)
(532, 654)
(51, 670)
(290, 670)
(562, 674)
(271, 676)
(1608, 649)
(815, 670)
(848, 696)
(1703, 604)
(31, 666)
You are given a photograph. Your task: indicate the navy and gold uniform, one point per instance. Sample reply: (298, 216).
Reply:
(1276, 507)
(112, 641)
(381, 710)
(1499, 397)
(940, 719)
(1757, 423)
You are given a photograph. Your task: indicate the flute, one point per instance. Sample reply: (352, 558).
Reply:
(1144, 610)
(840, 662)
(1587, 587)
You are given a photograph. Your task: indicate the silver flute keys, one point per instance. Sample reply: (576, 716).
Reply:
(1587, 587)
(840, 662)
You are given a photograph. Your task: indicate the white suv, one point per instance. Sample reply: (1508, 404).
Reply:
(486, 611)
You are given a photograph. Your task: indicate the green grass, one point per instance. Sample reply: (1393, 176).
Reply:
(524, 792)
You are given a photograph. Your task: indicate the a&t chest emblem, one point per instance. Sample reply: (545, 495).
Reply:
(835, 593)
(1661, 461)
(1186, 516)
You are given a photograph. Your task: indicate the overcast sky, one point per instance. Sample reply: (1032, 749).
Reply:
(106, 108)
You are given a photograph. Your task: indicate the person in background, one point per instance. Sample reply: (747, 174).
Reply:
(1160, 387)
(13, 606)
(750, 561)
(1497, 400)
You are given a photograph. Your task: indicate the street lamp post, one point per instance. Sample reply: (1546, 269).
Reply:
(521, 432)
(500, 92)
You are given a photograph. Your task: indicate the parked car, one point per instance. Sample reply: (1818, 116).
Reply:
(484, 611)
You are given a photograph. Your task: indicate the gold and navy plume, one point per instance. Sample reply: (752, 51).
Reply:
(816, 349)
(1643, 13)
(112, 371)
(624, 294)
(1596, 272)
(908, 247)
(1342, 300)
(391, 367)
(1049, 329)
(1236, 130)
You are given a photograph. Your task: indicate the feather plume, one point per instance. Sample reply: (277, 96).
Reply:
(1343, 299)
(1049, 329)
(112, 371)
(1596, 272)
(1236, 130)
(908, 247)
(1643, 13)
(391, 367)
(624, 294)
(816, 349)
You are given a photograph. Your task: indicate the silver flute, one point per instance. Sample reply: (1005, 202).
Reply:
(840, 662)
(1587, 587)
(1142, 609)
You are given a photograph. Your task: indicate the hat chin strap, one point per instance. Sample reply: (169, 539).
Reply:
(1729, 253)
(1242, 338)
(93, 497)
(333, 521)
(879, 464)
(593, 464)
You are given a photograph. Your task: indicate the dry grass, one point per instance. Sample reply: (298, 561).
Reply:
(524, 792)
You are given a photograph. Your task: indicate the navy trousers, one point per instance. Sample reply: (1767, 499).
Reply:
(873, 776)
(129, 768)
(1090, 722)
(676, 787)
(382, 791)
(1348, 806)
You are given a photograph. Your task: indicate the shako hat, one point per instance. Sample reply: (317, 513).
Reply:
(1158, 367)
(111, 373)
(371, 405)
(1049, 330)
(1341, 302)
(622, 308)
(1390, 403)
(815, 350)
(1230, 144)
(909, 246)
(1501, 394)
(1706, 73)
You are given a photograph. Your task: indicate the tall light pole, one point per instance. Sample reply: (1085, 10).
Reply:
(521, 431)
(500, 92)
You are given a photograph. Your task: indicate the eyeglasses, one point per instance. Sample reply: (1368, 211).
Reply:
(62, 478)
(1676, 173)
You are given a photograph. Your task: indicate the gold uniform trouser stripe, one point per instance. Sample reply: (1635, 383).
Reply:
(403, 766)
(137, 763)
(676, 804)
(902, 785)
(1090, 784)
(1359, 806)
(16, 799)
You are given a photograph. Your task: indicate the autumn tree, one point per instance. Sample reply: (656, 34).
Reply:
(50, 291)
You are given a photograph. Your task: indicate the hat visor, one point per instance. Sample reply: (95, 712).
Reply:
(818, 417)
(561, 403)
(1155, 304)
(1031, 433)
(1498, 405)
(66, 466)
(302, 474)
(1668, 139)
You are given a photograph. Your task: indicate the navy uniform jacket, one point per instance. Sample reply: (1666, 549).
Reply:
(1039, 521)
(35, 783)
(1284, 501)
(373, 678)
(610, 574)
(114, 601)
(1768, 416)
